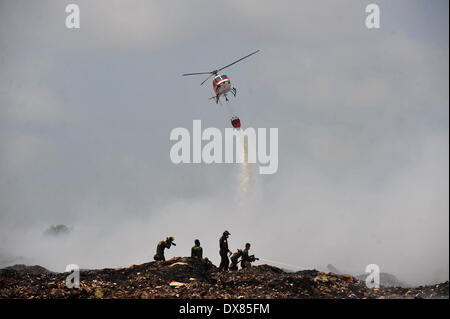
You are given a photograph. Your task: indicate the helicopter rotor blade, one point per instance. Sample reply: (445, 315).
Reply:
(207, 78)
(211, 73)
(238, 60)
(196, 73)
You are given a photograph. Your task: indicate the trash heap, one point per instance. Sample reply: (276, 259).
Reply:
(194, 278)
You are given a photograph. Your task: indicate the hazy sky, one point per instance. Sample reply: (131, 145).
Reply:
(85, 118)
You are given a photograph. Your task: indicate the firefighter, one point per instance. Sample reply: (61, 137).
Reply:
(161, 246)
(224, 251)
(235, 259)
(246, 260)
(197, 250)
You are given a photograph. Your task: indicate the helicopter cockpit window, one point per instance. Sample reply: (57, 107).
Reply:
(224, 77)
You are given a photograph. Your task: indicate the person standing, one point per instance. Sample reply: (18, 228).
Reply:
(224, 251)
(197, 250)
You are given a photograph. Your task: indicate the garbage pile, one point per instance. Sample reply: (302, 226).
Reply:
(386, 279)
(195, 278)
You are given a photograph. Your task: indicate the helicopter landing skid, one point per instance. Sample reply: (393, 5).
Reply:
(216, 97)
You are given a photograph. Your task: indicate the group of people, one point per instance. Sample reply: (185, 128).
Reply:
(224, 252)
(240, 255)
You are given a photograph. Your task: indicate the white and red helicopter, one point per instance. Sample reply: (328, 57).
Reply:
(222, 86)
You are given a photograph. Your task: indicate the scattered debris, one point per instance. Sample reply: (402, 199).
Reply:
(178, 263)
(176, 284)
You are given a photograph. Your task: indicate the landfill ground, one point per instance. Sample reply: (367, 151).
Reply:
(193, 278)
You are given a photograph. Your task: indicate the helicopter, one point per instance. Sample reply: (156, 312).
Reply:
(222, 85)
